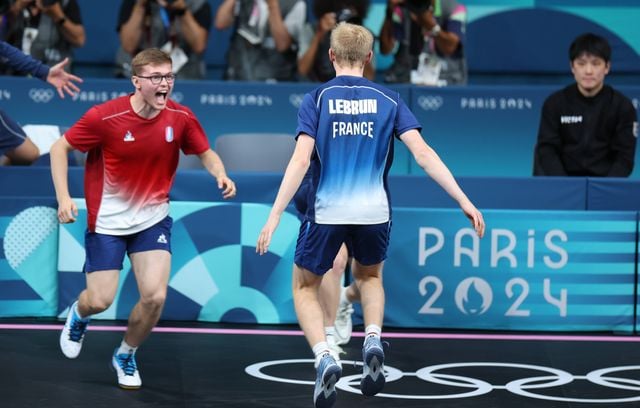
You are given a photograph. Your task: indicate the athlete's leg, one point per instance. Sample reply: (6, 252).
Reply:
(15, 147)
(352, 294)
(307, 304)
(329, 296)
(104, 256)
(24, 154)
(97, 297)
(331, 286)
(100, 292)
(368, 279)
(152, 269)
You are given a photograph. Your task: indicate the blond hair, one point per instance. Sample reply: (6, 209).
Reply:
(351, 44)
(150, 56)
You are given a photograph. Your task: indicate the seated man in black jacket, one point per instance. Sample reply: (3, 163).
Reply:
(588, 128)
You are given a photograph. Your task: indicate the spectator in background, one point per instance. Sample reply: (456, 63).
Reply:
(48, 30)
(587, 128)
(15, 146)
(313, 52)
(264, 42)
(430, 38)
(178, 27)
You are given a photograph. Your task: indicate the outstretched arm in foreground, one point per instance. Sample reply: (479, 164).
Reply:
(26, 64)
(293, 175)
(431, 163)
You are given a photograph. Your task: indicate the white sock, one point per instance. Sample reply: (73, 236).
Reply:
(319, 350)
(373, 329)
(126, 349)
(330, 334)
(77, 312)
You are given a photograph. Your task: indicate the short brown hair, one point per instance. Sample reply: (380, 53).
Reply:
(150, 56)
(351, 44)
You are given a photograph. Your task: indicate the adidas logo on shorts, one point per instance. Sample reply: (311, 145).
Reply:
(162, 239)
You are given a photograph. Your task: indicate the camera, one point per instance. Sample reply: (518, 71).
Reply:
(349, 16)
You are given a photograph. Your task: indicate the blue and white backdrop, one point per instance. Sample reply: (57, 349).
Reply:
(534, 270)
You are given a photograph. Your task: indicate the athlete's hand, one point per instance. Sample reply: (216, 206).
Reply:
(62, 80)
(264, 239)
(67, 211)
(475, 216)
(227, 186)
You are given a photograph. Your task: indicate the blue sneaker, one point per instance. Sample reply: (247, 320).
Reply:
(324, 394)
(373, 367)
(127, 370)
(73, 333)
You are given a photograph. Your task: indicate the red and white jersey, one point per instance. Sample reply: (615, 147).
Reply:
(132, 161)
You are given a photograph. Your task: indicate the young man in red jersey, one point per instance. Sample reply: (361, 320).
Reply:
(133, 144)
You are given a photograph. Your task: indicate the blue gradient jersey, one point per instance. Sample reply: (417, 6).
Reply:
(353, 122)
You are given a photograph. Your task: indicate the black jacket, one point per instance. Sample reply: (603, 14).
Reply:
(580, 136)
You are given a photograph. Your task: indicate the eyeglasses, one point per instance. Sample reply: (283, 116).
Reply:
(157, 79)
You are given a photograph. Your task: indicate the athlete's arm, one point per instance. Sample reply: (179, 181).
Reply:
(431, 163)
(22, 62)
(293, 175)
(212, 162)
(67, 209)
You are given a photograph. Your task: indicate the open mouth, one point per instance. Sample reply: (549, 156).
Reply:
(161, 97)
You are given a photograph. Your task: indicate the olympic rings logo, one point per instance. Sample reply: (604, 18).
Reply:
(40, 95)
(296, 100)
(430, 102)
(473, 387)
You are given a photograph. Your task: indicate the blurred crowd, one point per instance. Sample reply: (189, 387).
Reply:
(271, 40)
(586, 129)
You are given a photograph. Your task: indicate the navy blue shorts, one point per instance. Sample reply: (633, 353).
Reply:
(11, 134)
(318, 244)
(106, 252)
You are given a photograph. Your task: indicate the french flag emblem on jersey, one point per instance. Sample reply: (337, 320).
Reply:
(168, 134)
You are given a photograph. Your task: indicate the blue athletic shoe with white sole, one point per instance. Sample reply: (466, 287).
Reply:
(373, 367)
(329, 372)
